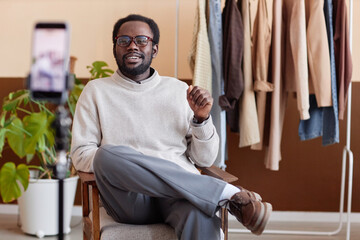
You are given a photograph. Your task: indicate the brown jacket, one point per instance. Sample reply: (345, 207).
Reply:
(233, 43)
(342, 53)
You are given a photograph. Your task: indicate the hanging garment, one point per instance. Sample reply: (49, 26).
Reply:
(342, 53)
(215, 40)
(249, 126)
(199, 56)
(313, 127)
(295, 53)
(233, 43)
(331, 121)
(318, 52)
(324, 121)
(279, 95)
(261, 41)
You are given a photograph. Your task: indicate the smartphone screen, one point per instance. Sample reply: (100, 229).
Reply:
(50, 58)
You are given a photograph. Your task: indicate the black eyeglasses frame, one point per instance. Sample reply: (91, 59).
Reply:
(133, 39)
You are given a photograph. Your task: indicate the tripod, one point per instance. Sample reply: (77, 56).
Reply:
(61, 125)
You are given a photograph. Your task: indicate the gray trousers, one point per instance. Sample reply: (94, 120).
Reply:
(140, 189)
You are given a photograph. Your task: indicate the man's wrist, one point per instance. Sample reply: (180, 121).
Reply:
(199, 120)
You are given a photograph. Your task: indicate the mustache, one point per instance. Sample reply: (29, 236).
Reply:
(140, 55)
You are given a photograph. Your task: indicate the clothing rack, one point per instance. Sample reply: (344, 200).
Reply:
(176, 39)
(347, 154)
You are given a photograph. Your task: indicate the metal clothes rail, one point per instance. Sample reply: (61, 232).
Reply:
(347, 155)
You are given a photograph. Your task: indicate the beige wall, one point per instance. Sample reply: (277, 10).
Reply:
(91, 28)
(356, 40)
(92, 21)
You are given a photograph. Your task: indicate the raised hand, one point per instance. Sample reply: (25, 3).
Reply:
(200, 102)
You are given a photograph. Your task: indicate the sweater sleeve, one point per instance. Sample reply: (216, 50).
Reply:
(86, 134)
(203, 144)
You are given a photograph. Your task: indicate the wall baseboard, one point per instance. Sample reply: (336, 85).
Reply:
(297, 216)
(276, 216)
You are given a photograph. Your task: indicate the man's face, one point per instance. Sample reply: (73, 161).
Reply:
(134, 61)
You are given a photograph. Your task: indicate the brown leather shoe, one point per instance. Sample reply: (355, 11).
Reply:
(252, 195)
(252, 213)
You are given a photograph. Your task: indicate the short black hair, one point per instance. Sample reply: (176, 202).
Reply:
(135, 17)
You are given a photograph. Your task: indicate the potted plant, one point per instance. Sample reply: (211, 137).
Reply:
(25, 125)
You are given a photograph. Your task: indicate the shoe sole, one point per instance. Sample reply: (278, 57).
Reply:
(263, 219)
(256, 196)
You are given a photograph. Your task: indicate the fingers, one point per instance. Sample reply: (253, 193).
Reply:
(188, 92)
(199, 96)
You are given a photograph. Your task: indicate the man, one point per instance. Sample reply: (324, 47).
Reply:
(142, 133)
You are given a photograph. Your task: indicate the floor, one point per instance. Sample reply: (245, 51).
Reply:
(9, 230)
(295, 226)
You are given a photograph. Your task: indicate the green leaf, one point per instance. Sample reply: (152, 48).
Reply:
(29, 157)
(14, 99)
(10, 106)
(9, 121)
(2, 119)
(16, 136)
(77, 90)
(50, 133)
(3, 131)
(38, 125)
(41, 143)
(2, 139)
(98, 70)
(76, 80)
(26, 101)
(10, 179)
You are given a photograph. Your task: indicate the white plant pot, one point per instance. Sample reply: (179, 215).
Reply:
(38, 206)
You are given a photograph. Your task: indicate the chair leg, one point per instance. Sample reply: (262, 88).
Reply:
(224, 222)
(96, 214)
(85, 205)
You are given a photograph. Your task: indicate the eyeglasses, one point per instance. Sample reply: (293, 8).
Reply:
(125, 41)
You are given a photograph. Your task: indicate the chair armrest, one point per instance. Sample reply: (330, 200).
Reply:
(216, 172)
(86, 177)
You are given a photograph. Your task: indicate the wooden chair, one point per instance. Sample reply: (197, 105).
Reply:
(96, 222)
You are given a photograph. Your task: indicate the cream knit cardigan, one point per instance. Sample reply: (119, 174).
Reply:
(199, 55)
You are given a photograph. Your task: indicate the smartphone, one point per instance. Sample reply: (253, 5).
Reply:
(50, 62)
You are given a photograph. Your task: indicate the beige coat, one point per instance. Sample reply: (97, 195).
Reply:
(318, 52)
(295, 53)
(249, 127)
(261, 40)
(279, 95)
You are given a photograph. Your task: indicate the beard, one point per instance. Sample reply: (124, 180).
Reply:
(135, 71)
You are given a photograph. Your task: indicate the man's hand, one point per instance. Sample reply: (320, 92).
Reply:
(200, 102)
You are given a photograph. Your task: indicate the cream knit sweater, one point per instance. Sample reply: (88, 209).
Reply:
(199, 55)
(153, 118)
